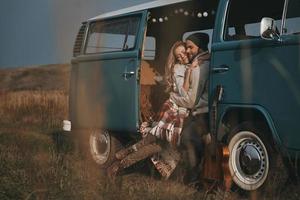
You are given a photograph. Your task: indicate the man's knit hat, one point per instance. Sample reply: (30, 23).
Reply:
(199, 39)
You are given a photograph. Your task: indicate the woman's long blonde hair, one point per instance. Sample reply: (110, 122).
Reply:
(169, 68)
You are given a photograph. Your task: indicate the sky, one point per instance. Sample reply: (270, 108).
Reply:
(38, 32)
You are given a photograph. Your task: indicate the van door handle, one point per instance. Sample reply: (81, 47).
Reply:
(126, 75)
(220, 69)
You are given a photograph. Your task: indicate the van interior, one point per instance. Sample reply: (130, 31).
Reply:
(166, 25)
(175, 22)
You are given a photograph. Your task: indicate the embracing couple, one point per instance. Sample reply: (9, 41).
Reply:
(183, 118)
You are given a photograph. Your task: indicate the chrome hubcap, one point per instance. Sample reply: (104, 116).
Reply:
(100, 146)
(250, 158)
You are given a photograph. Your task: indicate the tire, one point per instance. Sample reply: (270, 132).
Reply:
(103, 147)
(253, 163)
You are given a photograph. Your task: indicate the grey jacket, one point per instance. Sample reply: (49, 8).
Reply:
(198, 86)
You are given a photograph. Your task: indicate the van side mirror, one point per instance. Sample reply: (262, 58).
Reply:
(269, 30)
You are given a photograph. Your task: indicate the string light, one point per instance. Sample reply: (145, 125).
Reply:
(153, 20)
(176, 11)
(166, 18)
(160, 19)
(199, 14)
(205, 14)
(186, 13)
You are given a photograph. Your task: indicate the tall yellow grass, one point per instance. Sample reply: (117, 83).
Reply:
(39, 164)
(44, 109)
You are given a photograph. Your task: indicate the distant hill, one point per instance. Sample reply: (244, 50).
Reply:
(45, 77)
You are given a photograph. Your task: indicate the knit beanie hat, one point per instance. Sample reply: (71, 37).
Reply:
(199, 39)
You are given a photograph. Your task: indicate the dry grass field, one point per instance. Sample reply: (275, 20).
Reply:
(38, 161)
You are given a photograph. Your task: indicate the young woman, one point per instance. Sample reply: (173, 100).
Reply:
(169, 120)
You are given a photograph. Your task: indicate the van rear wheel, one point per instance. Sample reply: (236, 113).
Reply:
(103, 147)
(248, 161)
(253, 163)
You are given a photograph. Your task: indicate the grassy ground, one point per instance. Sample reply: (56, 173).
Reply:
(38, 161)
(34, 166)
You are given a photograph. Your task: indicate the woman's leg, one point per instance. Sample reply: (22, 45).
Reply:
(142, 150)
(137, 146)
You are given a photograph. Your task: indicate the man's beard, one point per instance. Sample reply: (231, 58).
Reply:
(192, 57)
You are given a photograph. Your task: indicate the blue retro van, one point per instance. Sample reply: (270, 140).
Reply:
(119, 60)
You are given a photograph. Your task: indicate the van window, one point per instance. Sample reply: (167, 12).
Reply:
(245, 17)
(292, 25)
(149, 48)
(112, 35)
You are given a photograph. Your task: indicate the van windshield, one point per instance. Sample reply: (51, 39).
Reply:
(112, 35)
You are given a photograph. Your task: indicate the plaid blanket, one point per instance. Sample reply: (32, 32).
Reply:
(168, 127)
(169, 123)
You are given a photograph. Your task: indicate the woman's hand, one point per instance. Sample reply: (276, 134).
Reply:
(188, 71)
(194, 64)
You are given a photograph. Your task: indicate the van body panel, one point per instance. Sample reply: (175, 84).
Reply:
(226, 108)
(219, 21)
(105, 87)
(107, 56)
(264, 73)
(137, 8)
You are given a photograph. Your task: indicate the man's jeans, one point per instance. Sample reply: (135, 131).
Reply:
(193, 130)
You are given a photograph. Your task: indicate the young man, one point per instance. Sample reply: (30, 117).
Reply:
(196, 125)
